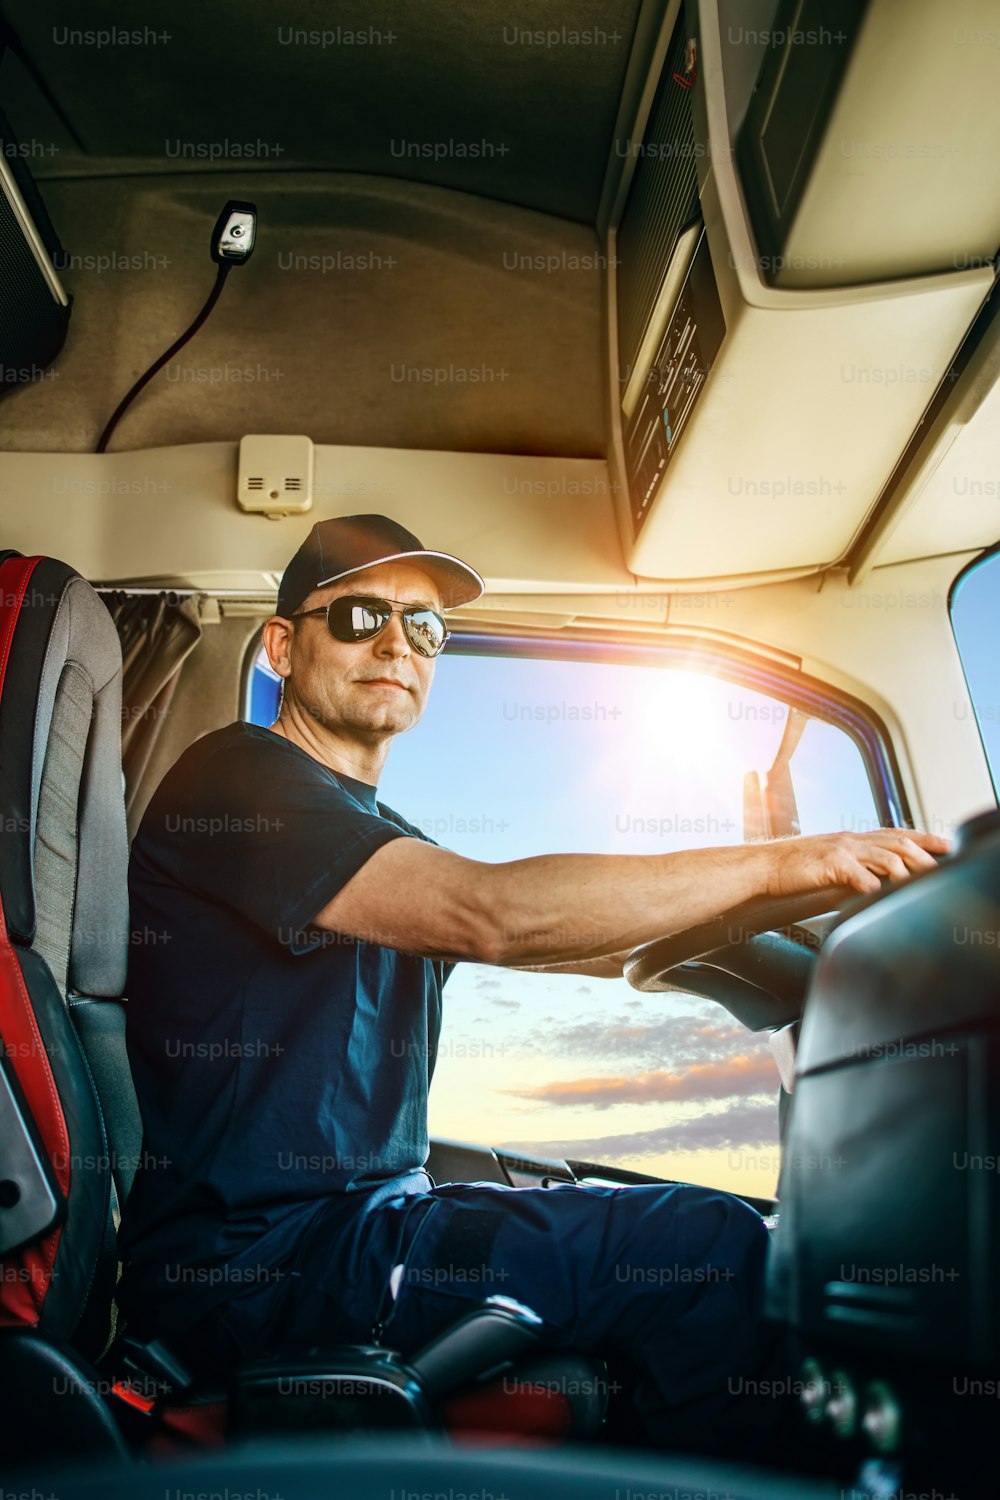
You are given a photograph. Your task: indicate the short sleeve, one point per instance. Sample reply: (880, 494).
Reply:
(266, 831)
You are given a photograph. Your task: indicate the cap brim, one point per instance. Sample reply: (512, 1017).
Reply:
(456, 581)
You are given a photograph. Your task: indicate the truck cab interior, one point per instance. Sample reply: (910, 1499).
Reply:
(676, 319)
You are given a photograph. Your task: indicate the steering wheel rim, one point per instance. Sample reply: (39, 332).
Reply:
(647, 966)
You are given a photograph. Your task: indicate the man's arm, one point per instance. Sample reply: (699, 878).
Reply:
(567, 908)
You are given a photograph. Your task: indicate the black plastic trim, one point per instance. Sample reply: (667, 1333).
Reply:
(626, 1178)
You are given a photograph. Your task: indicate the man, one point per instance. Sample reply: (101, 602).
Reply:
(283, 1034)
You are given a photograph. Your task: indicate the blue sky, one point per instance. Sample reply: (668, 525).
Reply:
(976, 617)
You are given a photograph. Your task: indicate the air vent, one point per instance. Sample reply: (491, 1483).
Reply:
(275, 474)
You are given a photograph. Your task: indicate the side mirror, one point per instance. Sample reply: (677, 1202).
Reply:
(770, 810)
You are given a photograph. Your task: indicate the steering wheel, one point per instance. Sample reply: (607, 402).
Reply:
(756, 959)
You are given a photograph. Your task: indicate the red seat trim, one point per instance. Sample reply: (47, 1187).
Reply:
(179, 1428)
(28, 1273)
(527, 1411)
(133, 1397)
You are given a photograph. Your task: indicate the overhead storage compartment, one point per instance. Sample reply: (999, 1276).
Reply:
(735, 394)
(869, 148)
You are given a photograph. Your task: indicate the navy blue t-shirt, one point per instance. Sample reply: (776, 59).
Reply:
(277, 1066)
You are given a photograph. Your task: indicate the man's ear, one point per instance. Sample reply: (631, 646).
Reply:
(277, 636)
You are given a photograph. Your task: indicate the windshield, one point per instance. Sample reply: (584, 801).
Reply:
(519, 756)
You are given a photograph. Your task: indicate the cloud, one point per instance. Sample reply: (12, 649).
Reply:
(730, 1078)
(506, 1004)
(677, 1040)
(747, 1124)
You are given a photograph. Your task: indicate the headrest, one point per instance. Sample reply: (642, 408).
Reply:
(51, 619)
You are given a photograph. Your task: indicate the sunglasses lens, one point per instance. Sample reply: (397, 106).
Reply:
(356, 619)
(425, 631)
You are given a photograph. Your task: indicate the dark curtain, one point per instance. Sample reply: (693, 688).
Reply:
(157, 636)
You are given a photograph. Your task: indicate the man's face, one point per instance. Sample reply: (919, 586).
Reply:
(373, 688)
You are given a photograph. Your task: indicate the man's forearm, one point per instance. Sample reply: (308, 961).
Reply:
(561, 908)
(577, 908)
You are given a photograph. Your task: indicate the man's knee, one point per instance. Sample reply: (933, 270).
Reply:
(720, 1227)
(721, 1211)
(691, 1240)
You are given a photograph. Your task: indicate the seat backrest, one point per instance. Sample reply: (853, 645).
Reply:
(64, 938)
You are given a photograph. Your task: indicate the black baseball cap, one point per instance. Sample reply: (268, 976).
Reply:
(344, 545)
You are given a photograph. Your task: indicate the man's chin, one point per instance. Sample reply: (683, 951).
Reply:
(367, 719)
(381, 718)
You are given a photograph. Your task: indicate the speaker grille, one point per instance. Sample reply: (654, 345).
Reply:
(32, 322)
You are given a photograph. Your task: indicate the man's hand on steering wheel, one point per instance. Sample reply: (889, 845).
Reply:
(752, 959)
(859, 860)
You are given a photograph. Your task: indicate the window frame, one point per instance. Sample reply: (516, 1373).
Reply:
(742, 668)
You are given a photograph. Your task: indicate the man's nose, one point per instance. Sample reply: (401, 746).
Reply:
(392, 640)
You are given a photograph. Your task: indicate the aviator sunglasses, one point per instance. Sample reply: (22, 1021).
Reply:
(360, 617)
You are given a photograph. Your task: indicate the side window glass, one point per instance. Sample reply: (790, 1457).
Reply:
(263, 691)
(975, 619)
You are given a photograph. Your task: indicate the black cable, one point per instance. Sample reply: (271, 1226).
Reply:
(143, 380)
